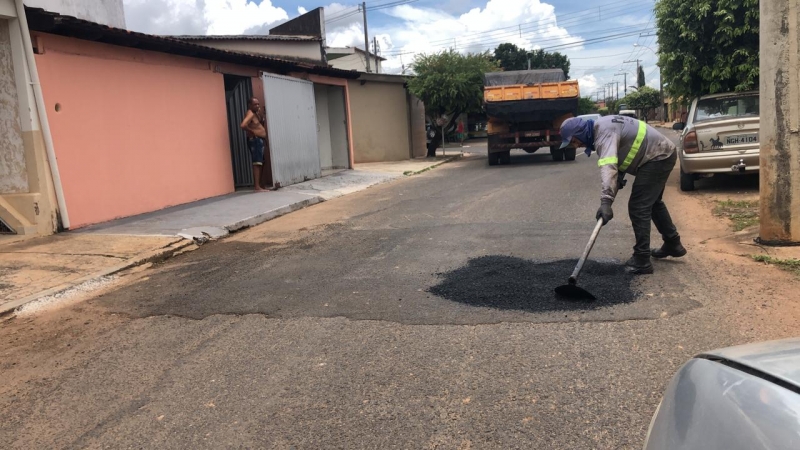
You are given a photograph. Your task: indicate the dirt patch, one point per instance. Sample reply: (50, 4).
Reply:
(509, 283)
(741, 213)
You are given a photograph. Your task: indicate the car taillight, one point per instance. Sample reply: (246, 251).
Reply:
(690, 143)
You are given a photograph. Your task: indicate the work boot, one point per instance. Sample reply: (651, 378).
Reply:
(639, 265)
(671, 247)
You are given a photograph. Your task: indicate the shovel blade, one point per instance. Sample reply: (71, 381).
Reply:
(573, 292)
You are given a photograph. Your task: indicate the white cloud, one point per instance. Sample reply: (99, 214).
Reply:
(588, 84)
(200, 16)
(301, 10)
(419, 30)
(235, 16)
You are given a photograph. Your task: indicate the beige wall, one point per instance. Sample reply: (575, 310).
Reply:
(13, 172)
(292, 49)
(418, 139)
(27, 198)
(379, 113)
(355, 61)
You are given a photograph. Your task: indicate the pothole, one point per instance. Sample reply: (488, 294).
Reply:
(509, 283)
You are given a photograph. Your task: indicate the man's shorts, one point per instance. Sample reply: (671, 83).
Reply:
(256, 146)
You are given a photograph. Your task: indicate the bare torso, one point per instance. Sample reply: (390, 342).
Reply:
(255, 126)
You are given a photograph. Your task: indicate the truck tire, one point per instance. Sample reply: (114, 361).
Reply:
(505, 157)
(557, 153)
(687, 181)
(494, 159)
(569, 154)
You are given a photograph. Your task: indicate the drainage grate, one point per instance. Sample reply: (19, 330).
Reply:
(5, 229)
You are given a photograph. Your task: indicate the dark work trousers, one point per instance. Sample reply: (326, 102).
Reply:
(646, 204)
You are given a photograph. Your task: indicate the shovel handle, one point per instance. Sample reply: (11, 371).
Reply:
(573, 279)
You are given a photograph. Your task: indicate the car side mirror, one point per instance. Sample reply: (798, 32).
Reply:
(678, 126)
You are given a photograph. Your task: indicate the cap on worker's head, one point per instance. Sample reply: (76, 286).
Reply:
(569, 129)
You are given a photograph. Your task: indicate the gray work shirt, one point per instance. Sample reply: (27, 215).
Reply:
(614, 137)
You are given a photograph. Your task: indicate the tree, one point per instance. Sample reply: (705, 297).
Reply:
(644, 99)
(586, 105)
(708, 46)
(640, 77)
(511, 57)
(450, 83)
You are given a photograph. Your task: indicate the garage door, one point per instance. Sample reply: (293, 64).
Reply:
(292, 129)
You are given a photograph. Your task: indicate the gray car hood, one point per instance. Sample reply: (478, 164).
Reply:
(780, 359)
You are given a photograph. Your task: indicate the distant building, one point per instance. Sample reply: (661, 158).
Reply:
(353, 58)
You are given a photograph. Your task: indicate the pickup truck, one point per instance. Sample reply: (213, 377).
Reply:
(526, 109)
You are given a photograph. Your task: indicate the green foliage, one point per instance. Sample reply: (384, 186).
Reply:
(586, 106)
(511, 57)
(450, 82)
(603, 111)
(645, 99)
(708, 46)
(640, 77)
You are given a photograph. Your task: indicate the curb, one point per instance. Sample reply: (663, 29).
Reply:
(138, 260)
(444, 161)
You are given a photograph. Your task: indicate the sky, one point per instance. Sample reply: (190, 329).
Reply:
(597, 35)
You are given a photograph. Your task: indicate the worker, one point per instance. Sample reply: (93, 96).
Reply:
(625, 145)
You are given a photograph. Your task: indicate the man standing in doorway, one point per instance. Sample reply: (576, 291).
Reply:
(253, 125)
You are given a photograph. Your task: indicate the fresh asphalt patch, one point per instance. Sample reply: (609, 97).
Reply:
(510, 283)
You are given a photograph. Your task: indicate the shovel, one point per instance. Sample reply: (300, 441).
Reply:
(571, 290)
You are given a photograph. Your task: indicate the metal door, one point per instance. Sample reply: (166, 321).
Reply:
(238, 91)
(292, 129)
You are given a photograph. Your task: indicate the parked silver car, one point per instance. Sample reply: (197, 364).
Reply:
(738, 398)
(720, 136)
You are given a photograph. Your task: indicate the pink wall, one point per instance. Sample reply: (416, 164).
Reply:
(137, 131)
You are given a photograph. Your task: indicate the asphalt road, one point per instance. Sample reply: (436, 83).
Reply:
(417, 314)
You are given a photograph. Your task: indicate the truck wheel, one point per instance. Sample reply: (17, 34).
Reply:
(557, 153)
(505, 157)
(569, 154)
(687, 181)
(494, 158)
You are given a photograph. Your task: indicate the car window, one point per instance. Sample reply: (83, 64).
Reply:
(726, 108)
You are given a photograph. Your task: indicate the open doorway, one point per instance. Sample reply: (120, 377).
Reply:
(331, 128)
(238, 91)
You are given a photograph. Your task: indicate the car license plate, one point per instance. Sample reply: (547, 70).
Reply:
(741, 139)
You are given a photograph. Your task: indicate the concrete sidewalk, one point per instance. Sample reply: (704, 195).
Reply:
(39, 267)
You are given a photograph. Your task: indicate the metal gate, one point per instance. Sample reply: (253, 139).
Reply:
(292, 129)
(238, 91)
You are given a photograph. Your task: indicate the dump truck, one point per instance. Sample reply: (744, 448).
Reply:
(526, 109)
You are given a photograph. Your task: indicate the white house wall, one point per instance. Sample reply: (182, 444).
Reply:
(107, 12)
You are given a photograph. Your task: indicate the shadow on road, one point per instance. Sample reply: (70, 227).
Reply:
(510, 283)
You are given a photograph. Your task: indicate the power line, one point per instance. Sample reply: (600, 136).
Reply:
(469, 43)
(558, 21)
(532, 27)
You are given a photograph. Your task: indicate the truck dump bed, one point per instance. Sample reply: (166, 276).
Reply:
(530, 95)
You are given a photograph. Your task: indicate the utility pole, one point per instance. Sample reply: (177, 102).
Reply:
(779, 131)
(366, 35)
(617, 90)
(637, 61)
(624, 82)
(375, 50)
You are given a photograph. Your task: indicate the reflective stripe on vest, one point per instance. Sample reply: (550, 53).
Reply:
(635, 147)
(606, 161)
